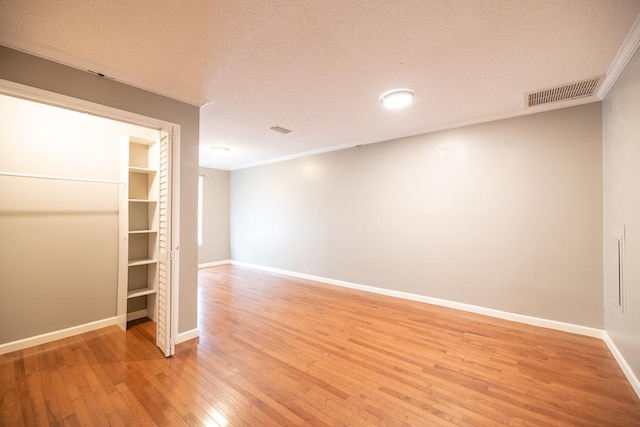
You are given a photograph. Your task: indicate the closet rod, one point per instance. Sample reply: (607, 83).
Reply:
(60, 178)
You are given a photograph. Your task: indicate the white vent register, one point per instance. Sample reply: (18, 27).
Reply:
(575, 90)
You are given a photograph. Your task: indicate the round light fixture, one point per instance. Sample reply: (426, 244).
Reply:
(220, 150)
(397, 98)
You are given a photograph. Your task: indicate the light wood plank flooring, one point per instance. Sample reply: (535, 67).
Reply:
(277, 351)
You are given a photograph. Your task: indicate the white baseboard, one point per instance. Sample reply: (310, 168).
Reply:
(631, 377)
(521, 318)
(214, 264)
(187, 335)
(56, 335)
(135, 315)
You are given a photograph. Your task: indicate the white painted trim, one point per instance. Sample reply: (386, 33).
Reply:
(214, 263)
(624, 55)
(121, 321)
(18, 90)
(135, 315)
(626, 369)
(55, 55)
(521, 318)
(56, 335)
(187, 335)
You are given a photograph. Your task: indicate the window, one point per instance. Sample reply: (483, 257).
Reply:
(200, 207)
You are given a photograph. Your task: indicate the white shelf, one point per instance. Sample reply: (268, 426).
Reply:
(141, 170)
(134, 262)
(139, 219)
(140, 292)
(142, 201)
(140, 140)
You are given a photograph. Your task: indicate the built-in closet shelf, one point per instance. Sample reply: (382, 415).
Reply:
(140, 292)
(142, 201)
(141, 170)
(139, 278)
(134, 262)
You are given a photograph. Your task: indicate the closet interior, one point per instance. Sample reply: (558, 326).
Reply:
(63, 177)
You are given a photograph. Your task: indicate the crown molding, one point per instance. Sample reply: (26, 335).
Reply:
(628, 48)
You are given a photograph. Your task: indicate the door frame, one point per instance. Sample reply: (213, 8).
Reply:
(42, 96)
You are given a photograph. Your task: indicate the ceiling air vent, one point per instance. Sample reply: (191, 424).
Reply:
(565, 92)
(280, 129)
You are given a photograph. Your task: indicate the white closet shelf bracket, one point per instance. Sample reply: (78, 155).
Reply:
(61, 178)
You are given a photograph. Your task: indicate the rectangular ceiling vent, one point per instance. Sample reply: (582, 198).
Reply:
(280, 129)
(565, 92)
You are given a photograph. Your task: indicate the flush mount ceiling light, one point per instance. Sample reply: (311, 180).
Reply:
(220, 150)
(397, 98)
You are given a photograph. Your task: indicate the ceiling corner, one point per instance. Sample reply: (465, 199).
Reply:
(628, 48)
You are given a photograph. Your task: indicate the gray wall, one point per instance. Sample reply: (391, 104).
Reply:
(36, 72)
(621, 141)
(215, 227)
(505, 215)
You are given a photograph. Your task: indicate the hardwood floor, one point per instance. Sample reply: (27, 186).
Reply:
(283, 351)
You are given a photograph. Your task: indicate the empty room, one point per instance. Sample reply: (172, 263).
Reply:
(331, 213)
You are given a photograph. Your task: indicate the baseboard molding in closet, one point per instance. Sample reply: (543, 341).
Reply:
(56, 335)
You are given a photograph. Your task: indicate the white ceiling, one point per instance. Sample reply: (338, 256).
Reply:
(318, 67)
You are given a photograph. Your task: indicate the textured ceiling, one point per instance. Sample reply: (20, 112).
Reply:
(318, 67)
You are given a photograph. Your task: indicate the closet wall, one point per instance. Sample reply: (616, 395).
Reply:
(59, 239)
